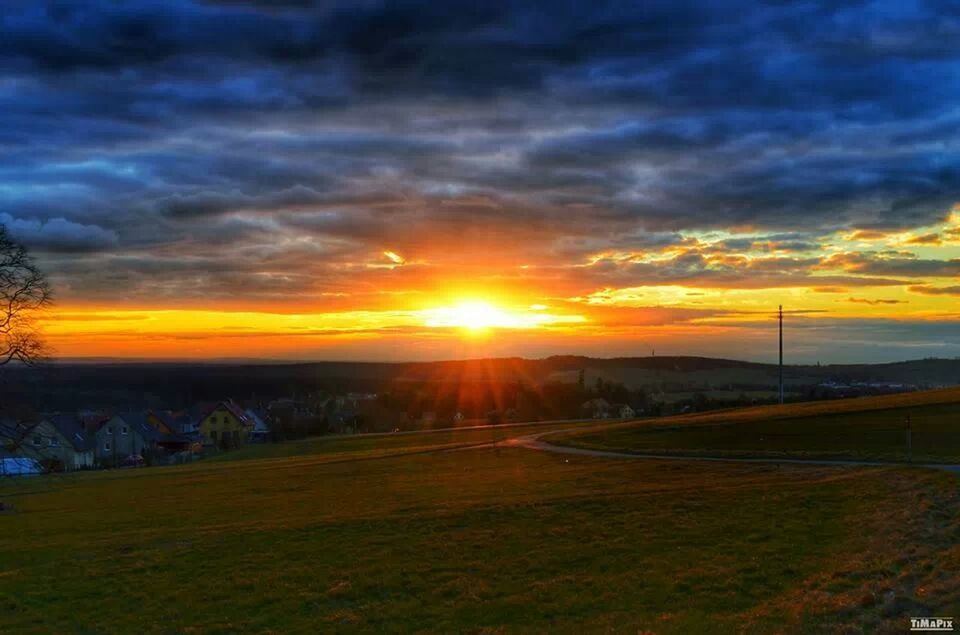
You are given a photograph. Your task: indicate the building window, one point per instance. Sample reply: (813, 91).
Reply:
(109, 429)
(213, 435)
(123, 430)
(106, 446)
(54, 443)
(38, 440)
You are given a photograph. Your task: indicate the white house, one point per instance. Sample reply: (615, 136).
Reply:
(624, 411)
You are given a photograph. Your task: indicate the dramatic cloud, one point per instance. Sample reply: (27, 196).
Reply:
(878, 264)
(59, 234)
(876, 302)
(344, 154)
(925, 239)
(955, 290)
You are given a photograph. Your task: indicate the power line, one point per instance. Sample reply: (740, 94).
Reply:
(780, 316)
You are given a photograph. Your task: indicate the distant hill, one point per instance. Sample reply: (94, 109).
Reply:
(634, 371)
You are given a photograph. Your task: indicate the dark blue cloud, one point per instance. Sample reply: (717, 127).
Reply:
(59, 235)
(147, 128)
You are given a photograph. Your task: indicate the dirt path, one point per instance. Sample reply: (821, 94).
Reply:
(533, 442)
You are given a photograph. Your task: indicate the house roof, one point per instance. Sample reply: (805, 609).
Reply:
(71, 428)
(92, 421)
(237, 411)
(12, 429)
(139, 423)
(259, 425)
(183, 419)
(175, 421)
(230, 406)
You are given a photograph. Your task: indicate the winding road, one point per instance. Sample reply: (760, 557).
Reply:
(534, 442)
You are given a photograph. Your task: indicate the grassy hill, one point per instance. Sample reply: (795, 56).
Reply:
(384, 534)
(868, 428)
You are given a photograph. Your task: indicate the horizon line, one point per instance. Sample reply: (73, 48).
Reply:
(217, 361)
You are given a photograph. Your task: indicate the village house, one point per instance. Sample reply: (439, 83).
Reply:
(261, 431)
(596, 408)
(120, 437)
(624, 411)
(344, 420)
(128, 435)
(225, 425)
(175, 432)
(292, 408)
(92, 420)
(60, 442)
(172, 422)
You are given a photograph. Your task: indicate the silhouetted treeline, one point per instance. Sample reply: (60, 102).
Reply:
(507, 387)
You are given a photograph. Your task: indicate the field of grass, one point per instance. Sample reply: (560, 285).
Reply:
(478, 540)
(873, 428)
(377, 445)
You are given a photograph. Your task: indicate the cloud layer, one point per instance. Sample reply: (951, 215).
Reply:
(270, 153)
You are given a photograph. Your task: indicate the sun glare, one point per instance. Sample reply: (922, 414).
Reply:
(479, 316)
(473, 315)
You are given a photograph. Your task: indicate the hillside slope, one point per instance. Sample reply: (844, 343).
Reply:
(920, 427)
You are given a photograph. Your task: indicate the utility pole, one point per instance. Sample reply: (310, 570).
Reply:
(780, 316)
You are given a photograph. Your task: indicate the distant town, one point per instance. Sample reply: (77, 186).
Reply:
(112, 432)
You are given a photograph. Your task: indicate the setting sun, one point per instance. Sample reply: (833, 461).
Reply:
(477, 316)
(267, 264)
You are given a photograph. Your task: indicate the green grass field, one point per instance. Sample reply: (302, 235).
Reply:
(861, 429)
(379, 534)
(375, 445)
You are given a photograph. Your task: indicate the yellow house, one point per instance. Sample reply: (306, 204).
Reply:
(225, 425)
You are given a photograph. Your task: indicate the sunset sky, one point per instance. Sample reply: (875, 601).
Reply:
(435, 180)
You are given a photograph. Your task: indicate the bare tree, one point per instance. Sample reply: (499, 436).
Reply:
(24, 291)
